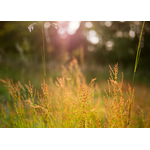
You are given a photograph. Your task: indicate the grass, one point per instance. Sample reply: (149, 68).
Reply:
(135, 67)
(70, 101)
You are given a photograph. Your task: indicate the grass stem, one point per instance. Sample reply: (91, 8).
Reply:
(135, 67)
(43, 53)
(137, 55)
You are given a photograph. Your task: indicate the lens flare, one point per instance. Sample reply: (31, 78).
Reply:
(72, 27)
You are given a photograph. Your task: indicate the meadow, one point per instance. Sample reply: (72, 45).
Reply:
(73, 95)
(72, 101)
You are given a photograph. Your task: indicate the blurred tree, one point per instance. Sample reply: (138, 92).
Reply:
(103, 41)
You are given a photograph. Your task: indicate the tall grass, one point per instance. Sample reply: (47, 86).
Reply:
(68, 103)
(137, 54)
(117, 105)
(43, 52)
(41, 27)
(135, 66)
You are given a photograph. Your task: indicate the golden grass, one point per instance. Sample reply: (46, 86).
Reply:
(70, 102)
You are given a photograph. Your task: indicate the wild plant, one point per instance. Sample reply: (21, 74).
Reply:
(117, 105)
(69, 105)
(41, 27)
(136, 64)
(68, 102)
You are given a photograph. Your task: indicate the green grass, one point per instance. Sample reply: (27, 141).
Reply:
(69, 101)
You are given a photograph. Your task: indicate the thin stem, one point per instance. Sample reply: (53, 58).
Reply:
(137, 55)
(43, 53)
(135, 67)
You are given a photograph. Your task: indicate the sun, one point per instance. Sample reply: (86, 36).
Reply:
(73, 26)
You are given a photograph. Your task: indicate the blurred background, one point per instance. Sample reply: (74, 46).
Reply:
(95, 44)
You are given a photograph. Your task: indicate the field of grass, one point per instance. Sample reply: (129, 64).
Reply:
(69, 95)
(75, 97)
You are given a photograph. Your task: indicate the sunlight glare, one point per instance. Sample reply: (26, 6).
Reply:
(108, 23)
(131, 33)
(93, 37)
(47, 24)
(62, 33)
(60, 22)
(119, 34)
(92, 33)
(73, 26)
(109, 45)
(88, 24)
